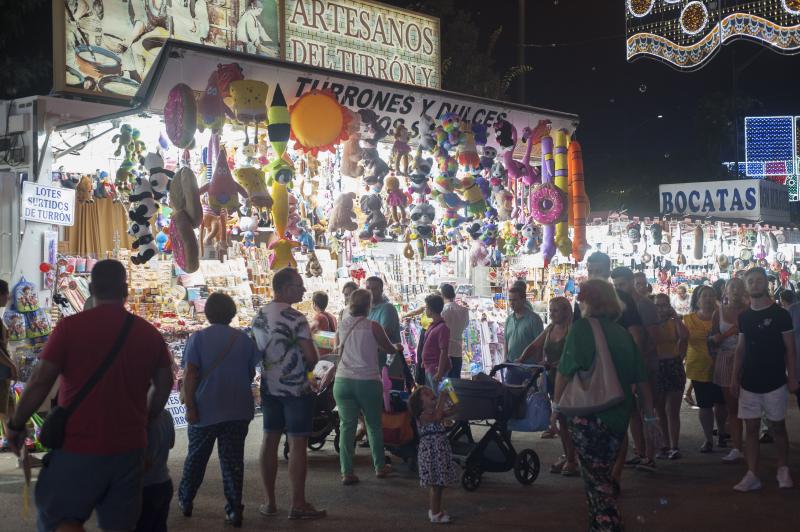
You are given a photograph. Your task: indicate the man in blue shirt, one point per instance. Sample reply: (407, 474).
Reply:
(384, 313)
(523, 325)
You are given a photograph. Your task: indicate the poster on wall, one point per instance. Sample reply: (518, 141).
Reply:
(106, 47)
(364, 38)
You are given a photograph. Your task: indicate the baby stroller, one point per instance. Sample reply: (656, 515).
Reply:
(488, 399)
(400, 437)
(326, 417)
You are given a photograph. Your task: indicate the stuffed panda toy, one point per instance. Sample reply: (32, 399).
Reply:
(160, 178)
(143, 206)
(144, 242)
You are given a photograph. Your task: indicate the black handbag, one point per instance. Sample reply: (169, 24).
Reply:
(54, 428)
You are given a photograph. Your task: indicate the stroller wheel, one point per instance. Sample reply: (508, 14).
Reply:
(316, 445)
(471, 479)
(336, 442)
(527, 466)
(286, 450)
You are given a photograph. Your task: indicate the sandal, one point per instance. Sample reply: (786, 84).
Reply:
(570, 470)
(307, 512)
(349, 480)
(558, 467)
(548, 434)
(267, 511)
(384, 471)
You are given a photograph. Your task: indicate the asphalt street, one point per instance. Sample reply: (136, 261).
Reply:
(685, 495)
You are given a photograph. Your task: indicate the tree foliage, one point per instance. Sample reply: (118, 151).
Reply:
(25, 56)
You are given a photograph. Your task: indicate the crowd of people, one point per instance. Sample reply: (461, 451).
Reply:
(616, 369)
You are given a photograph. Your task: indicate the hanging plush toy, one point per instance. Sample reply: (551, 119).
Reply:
(313, 267)
(279, 130)
(506, 137)
(180, 115)
(580, 202)
(422, 217)
(293, 218)
(503, 201)
(254, 182)
(351, 149)
(401, 151)
(318, 122)
(467, 151)
(280, 208)
(375, 168)
(211, 107)
(656, 233)
(532, 238)
(223, 191)
(698, 243)
(342, 217)
(634, 232)
(160, 178)
(249, 103)
(473, 196)
(561, 181)
(375, 225)
(282, 254)
(418, 179)
(544, 201)
(83, 193)
(396, 200)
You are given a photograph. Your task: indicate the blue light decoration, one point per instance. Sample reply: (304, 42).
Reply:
(686, 35)
(769, 146)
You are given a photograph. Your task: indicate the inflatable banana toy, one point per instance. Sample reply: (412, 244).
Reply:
(280, 208)
(561, 181)
(548, 230)
(579, 204)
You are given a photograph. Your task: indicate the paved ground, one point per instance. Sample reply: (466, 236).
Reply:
(690, 494)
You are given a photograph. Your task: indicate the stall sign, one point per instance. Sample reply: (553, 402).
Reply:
(393, 104)
(176, 410)
(106, 48)
(747, 199)
(364, 38)
(48, 205)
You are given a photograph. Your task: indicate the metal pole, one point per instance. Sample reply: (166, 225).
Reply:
(521, 51)
(735, 108)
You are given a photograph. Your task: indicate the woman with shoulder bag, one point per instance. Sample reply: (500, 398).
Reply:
(597, 372)
(220, 363)
(358, 387)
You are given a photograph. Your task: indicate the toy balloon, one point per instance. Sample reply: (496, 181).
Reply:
(44, 267)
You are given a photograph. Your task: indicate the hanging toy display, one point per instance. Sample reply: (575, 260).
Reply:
(254, 182)
(342, 216)
(396, 200)
(249, 104)
(656, 233)
(532, 236)
(541, 202)
(318, 122)
(401, 151)
(698, 243)
(561, 181)
(547, 204)
(187, 215)
(580, 202)
(180, 116)
(211, 109)
(279, 130)
(313, 267)
(375, 224)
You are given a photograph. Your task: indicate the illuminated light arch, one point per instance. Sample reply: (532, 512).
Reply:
(661, 35)
(640, 8)
(689, 15)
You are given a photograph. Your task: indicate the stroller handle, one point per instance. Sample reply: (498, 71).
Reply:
(527, 367)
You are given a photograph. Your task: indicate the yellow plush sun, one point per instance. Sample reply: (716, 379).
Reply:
(318, 122)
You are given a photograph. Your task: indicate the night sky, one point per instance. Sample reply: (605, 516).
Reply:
(628, 150)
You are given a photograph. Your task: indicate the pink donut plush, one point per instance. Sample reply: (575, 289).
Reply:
(180, 115)
(547, 204)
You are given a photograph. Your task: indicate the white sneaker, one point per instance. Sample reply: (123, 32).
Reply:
(784, 478)
(733, 456)
(749, 482)
(439, 519)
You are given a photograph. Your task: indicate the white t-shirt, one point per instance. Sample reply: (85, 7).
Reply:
(277, 328)
(359, 359)
(457, 318)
